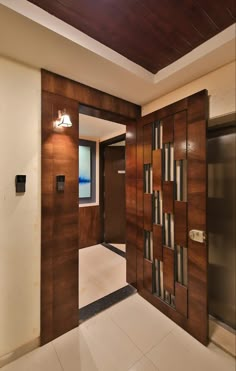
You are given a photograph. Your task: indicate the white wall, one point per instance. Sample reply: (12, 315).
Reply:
(20, 148)
(221, 88)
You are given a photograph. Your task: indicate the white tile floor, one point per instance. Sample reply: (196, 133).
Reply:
(101, 272)
(132, 335)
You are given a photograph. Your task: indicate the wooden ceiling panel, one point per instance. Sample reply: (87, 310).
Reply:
(151, 33)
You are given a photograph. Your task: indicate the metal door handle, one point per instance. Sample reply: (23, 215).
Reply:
(197, 236)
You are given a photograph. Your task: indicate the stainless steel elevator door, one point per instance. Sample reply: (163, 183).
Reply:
(221, 225)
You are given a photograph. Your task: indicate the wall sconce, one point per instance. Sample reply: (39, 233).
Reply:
(63, 119)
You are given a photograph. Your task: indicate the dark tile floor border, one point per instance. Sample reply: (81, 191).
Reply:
(106, 302)
(114, 249)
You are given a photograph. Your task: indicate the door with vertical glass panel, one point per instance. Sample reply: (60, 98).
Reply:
(171, 212)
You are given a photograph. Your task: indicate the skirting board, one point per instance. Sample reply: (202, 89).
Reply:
(19, 352)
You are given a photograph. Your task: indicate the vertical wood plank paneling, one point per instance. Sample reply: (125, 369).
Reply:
(147, 211)
(183, 120)
(147, 144)
(168, 129)
(197, 192)
(168, 197)
(180, 227)
(59, 258)
(168, 270)
(157, 242)
(131, 203)
(180, 135)
(147, 274)
(181, 299)
(157, 169)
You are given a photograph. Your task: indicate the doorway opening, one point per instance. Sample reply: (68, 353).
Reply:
(102, 214)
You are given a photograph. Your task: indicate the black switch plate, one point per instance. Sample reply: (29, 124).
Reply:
(60, 179)
(20, 183)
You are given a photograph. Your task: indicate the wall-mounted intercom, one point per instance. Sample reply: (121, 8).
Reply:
(60, 179)
(20, 183)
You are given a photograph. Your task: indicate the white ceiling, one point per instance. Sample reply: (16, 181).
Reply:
(43, 41)
(94, 128)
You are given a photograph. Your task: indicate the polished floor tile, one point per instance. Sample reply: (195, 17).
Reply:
(101, 272)
(41, 359)
(145, 325)
(130, 336)
(144, 364)
(181, 352)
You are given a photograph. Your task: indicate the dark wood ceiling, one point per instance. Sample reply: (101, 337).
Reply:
(151, 33)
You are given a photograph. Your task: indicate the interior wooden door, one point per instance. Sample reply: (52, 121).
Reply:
(114, 194)
(171, 212)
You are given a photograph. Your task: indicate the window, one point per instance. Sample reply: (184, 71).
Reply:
(87, 171)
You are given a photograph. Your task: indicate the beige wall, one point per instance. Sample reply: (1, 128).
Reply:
(221, 89)
(20, 147)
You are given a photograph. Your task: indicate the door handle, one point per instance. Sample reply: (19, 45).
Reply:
(197, 236)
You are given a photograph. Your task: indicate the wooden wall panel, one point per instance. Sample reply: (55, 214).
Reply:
(147, 211)
(147, 274)
(157, 242)
(59, 258)
(180, 136)
(168, 270)
(181, 299)
(147, 144)
(180, 227)
(89, 226)
(131, 203)
(168, 129)
(67, 88)
(197, 193)
(168, 197)
(157, 169)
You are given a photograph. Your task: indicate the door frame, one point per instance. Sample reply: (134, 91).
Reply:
(59, 312)
(102, 147)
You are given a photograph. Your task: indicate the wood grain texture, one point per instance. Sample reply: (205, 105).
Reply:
(157, 169)
(168, 270)
(114, 200)
(197, 193)
(131, 203)
(168, 197)
(180, 224)
(181, 299)
(157, 242)
(89, 226)
(168, 129)
(147, 144)
(138, 27)
(101, 114)
(59, 256)
(147, 211)
(196, 323)
(147, 274)
(180, 136)
(86, 95)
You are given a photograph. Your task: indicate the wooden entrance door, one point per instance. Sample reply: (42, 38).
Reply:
(171, 212)
(114, 194)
